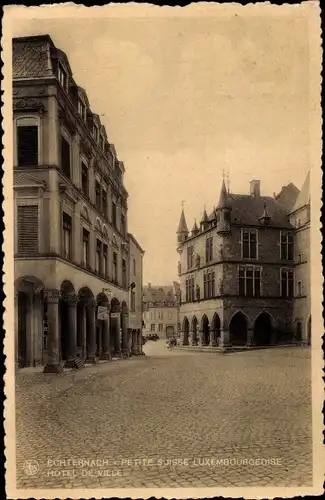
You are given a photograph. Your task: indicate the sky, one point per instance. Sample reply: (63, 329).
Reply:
(184, 97)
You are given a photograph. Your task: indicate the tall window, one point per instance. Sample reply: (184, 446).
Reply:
(85, 247)
(160, 327)
(209, 249)
(132, 300)
(27, 230)
(113, 213)
(122, 224)
(249, 282)
(67, 235)
(299, 288)
(105, 257)
(62, 76)
(286, 245)
(189, 285)
(249, 246)
(152, 327)
(134, 267)
(209, 285)
(84, 179)
(98, 197)
(124, 283)
(27, 145)
(190, 257)
(104, 202)
(82, 109)
(287, 283)
(98, 255)
(95, 133)
(115, 267)
(65, 157)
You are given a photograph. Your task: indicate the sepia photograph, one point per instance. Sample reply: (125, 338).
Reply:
(163, 278)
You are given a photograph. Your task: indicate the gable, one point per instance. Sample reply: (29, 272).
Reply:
(27, 180)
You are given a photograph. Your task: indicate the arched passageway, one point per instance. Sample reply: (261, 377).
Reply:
(124, 326)
(215, 329)
(102, 326)
(205, 330)
(194, 330)
(86, 325)
(115, 326)
(263, 329)
(186, 331)
(238, 329)
(67, 323)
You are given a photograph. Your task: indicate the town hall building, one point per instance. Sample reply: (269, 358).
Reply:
(244, 270)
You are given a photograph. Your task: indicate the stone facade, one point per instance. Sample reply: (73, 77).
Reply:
(244, 273)
(161, 310)
(136, 290)
(71, 243)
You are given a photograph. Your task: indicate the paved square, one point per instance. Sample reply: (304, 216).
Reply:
(169, 419)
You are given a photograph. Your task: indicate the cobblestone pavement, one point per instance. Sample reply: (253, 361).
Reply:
(199, 408)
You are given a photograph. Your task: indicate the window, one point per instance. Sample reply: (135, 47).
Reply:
(115, 267)
(287, 283)
(286, 245)
(104, 202)
(132, 300)
(299, 288)
(160, 327)
(62, 76)
(102, 143)
(98, 256)
(65, 157)
(122, 224)
(27, 145)
(249, 282)
(190, 257)
(249, 246)
(98, 197)
(170, 315)
(82, 109)
(67, 235)
(134, 267)
(124, 281)
(209, 249)
(209, 285)
(189, 285)
(85, 247)
(160, 315)
(152, 327)
(84, 179)
(113, 213)
(105, 256)
(95, 132)
(27, 230)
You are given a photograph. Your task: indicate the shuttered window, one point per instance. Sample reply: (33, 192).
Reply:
(28, 238)
(27, 145)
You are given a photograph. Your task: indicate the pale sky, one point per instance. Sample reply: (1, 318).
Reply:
(184, 97)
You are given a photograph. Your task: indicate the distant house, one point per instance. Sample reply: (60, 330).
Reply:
(161, 310)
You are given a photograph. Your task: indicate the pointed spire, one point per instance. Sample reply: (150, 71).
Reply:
(205, 217)
(195, 229)
(182, 226)
(223, 200)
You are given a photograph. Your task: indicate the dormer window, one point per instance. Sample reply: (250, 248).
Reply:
(62, 77)
(82, 109)
(95, 132)
(102, 143)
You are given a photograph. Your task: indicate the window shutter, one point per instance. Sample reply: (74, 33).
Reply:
(27, 146)
(28, 238)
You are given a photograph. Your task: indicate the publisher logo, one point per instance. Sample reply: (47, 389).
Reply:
(31, 467)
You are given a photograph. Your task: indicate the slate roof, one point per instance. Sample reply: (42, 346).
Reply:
(303, 198)
(30, 56)
(246, 210)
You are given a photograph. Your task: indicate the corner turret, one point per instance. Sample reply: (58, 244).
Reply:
(195, 229)
(182, 231)
(223, 211)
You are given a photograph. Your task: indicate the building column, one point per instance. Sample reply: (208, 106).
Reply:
(54, 364)
(139, 342)
(91, 332)
(250, 337)
(106, 345)
(134, 348)
(72, 329)
(200, 338)
(213, 339)
(224, 338)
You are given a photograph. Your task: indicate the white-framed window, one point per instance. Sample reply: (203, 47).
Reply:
(286, 283)
(249, 281)
(249, 239)
(286, 245)
(27, 139)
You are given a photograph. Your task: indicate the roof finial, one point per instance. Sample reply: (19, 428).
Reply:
(182, 202)
(228, 182)
(223, 174)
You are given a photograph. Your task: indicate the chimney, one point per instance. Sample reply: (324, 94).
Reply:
(255, 188)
